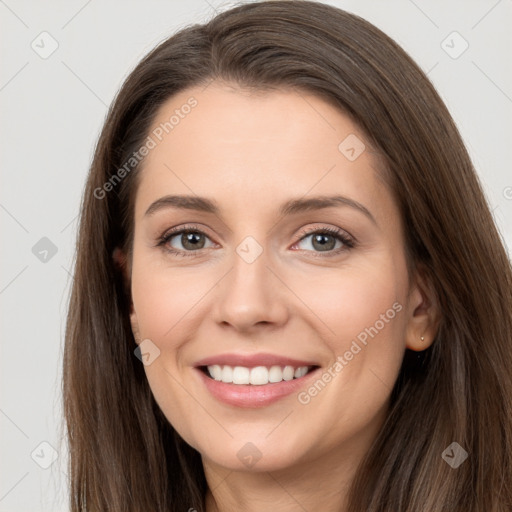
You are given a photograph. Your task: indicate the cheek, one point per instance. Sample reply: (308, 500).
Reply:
(162, 299)
(349, 302)
(164, 306)
(362, 314)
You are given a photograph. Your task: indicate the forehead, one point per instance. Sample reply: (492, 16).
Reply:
(263, 145)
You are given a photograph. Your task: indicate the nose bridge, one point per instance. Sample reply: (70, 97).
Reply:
(250, 273)
(248, 293)
(249, 250)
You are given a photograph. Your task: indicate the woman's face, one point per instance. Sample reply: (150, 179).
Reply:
(293, 258)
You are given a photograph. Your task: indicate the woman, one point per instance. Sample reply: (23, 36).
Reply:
(289, 290)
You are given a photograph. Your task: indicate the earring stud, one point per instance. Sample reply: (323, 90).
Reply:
(422, 338)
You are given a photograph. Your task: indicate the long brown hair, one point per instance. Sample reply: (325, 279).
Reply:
(124, 454)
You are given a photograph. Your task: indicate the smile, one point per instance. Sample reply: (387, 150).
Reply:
(253, 380)
(256, 376)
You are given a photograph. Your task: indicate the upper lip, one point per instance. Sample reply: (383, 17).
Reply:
(252, 360)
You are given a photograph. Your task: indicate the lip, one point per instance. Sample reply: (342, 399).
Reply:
(251, 396)
(252, 360)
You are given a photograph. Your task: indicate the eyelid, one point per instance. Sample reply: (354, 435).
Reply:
(325, 229)
(183, 228)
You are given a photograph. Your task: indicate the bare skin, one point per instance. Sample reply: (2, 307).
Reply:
(250, 153)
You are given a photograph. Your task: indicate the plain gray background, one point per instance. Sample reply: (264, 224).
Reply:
(52, 110)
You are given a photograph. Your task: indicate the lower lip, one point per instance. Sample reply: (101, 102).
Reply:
(246, 395)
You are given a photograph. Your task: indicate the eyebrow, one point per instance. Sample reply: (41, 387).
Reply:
(290, 207)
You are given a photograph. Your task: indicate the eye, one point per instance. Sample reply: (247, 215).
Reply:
(187, 239)
(326, 240)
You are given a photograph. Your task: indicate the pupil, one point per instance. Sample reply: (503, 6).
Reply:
(192, 239)
(324, 245)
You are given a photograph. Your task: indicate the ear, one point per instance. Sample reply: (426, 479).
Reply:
(424, 313)
(121, 262)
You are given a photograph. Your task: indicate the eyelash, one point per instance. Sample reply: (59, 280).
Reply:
(347, 241)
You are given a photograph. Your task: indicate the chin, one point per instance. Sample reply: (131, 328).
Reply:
(255, 453)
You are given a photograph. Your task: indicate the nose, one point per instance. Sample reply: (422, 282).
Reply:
(251, 295)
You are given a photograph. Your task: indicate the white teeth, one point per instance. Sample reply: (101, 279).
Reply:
(227, 374)
(215, 372)
(275, 374)
(300, 372)
(288, 373)
(241, 375)
(257, 376)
